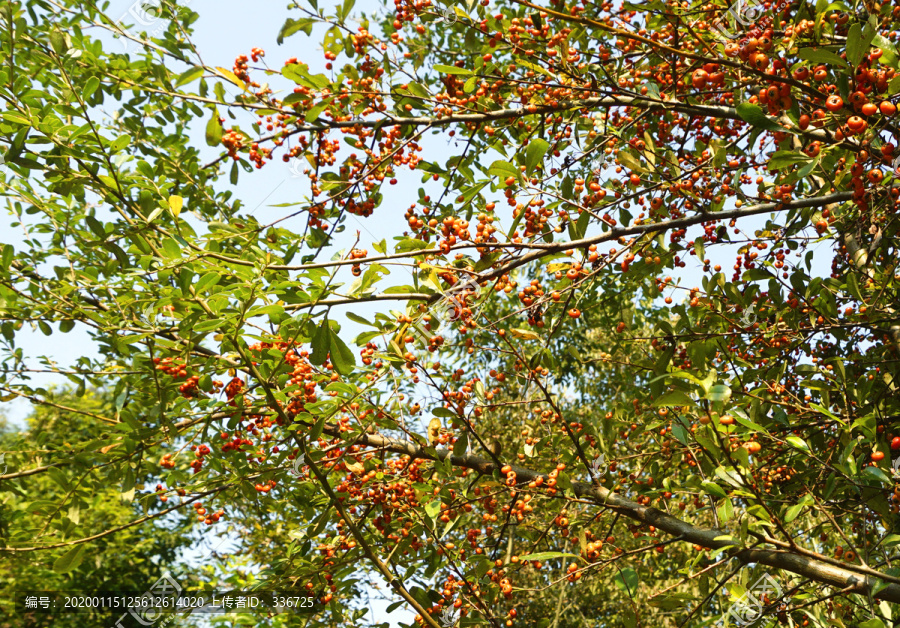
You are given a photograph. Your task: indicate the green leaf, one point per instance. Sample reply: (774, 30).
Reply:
(719, 392)
(207, 281)
(12, 116)
(346, 8)
(680, 434)
(793, 512)
(797, 442)
(672, 601)
(725, 510)
(461, 445)
(208, 324)
(292, 26)
(319, 425)
(356, 318)
(450, 69)
(626, 580)
(890, 56)
(97, 227)
(90, 87)
(433, 508)
(879, 475)
(753, 114)
(805, 171)
(314, 111)
(70, 560)
(298, 73)
(858, 42)
(503, 169)
(630, 162)
(746, 422)
(713, 489)
(535, 152)
(321, 343)
(189, 76)
(578, 229)
(58, 42)
(341, 356)
(821, 55)
(214, 130)
(787, 158)
(291, 99)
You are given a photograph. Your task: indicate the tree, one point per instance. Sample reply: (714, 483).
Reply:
(545, 421)
(69, 501)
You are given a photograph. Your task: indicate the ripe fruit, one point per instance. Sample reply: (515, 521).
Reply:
(699, 78)
(574, 312)
(803, 122)
(887, 108)
(869, 109)
(895, 443)
(726, 419)
(753, 447)
(856, 123)
(834, 103)
(877, 456)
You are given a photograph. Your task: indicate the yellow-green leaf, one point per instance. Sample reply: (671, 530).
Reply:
(231, 77)
(524, 334)
(175, 204)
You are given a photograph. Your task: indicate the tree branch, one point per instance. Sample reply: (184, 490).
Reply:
(832, 575)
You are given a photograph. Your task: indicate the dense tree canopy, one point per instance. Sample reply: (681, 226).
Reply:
(56, 505)
(628, 357)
